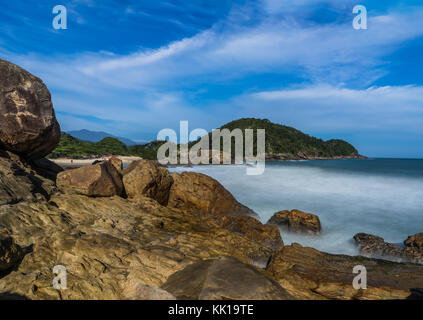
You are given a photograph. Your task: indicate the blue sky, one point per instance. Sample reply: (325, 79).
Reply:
(132, 68)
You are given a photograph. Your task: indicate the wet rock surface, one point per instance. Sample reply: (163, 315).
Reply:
(307, 273)
(376, 247)
(297, 221)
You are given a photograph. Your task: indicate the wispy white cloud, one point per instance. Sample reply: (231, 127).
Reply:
(326, 108)
(145, 91)
(282, 6)
(335, 53)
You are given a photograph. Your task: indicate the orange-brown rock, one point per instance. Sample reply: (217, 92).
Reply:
(415, 241)
(146, 292)
(110, 246)
(116, 248)
(224, 278)
(28, 122)
(47, 168)
(307, 273)
(376, 247)
(297, 221)
(22, 181)
(99, 180)
(197, 192)
(117, 163)
(10, 252)
(250, 227)
(147, 178)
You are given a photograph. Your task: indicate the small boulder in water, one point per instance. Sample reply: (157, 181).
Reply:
(297, 221)
(376, 247)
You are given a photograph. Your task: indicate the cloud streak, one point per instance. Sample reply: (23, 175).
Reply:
(335, 67)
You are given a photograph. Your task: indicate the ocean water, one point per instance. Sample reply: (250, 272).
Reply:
(378, 196)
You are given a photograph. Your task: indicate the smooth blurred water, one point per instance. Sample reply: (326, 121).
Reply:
(378, 196)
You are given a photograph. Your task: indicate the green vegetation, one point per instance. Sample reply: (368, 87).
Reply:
(288, 141)
(71, 147)
(146, 151)
(280, 139)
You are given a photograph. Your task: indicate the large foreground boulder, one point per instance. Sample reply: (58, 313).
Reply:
(28, 122)
(147, 178)
(307, 273)
(197, 192)
(99, 180)
(222, 279)
(297, 221)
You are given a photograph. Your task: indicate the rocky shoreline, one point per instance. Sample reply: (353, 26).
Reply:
(303, 156)
(144, 233)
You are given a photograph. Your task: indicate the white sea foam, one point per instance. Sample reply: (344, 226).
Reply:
(347, 203)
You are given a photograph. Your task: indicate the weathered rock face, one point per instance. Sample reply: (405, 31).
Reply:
(99, 180)
(376, 247)
(28, 122)
(297, 221)
(10, 252)
(47, 168)
(117, 163)
(147, 178)
(249, 227)
(21, 181)
(110, 246)
(116, 248)
(221, 279)
(365, 239)
(307, 273)
(196, 192)
(415, 241)
(145, 292)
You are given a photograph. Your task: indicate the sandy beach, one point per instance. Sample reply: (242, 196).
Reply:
(67, 163)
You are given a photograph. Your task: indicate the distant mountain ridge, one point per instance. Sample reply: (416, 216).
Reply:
(96, 136)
